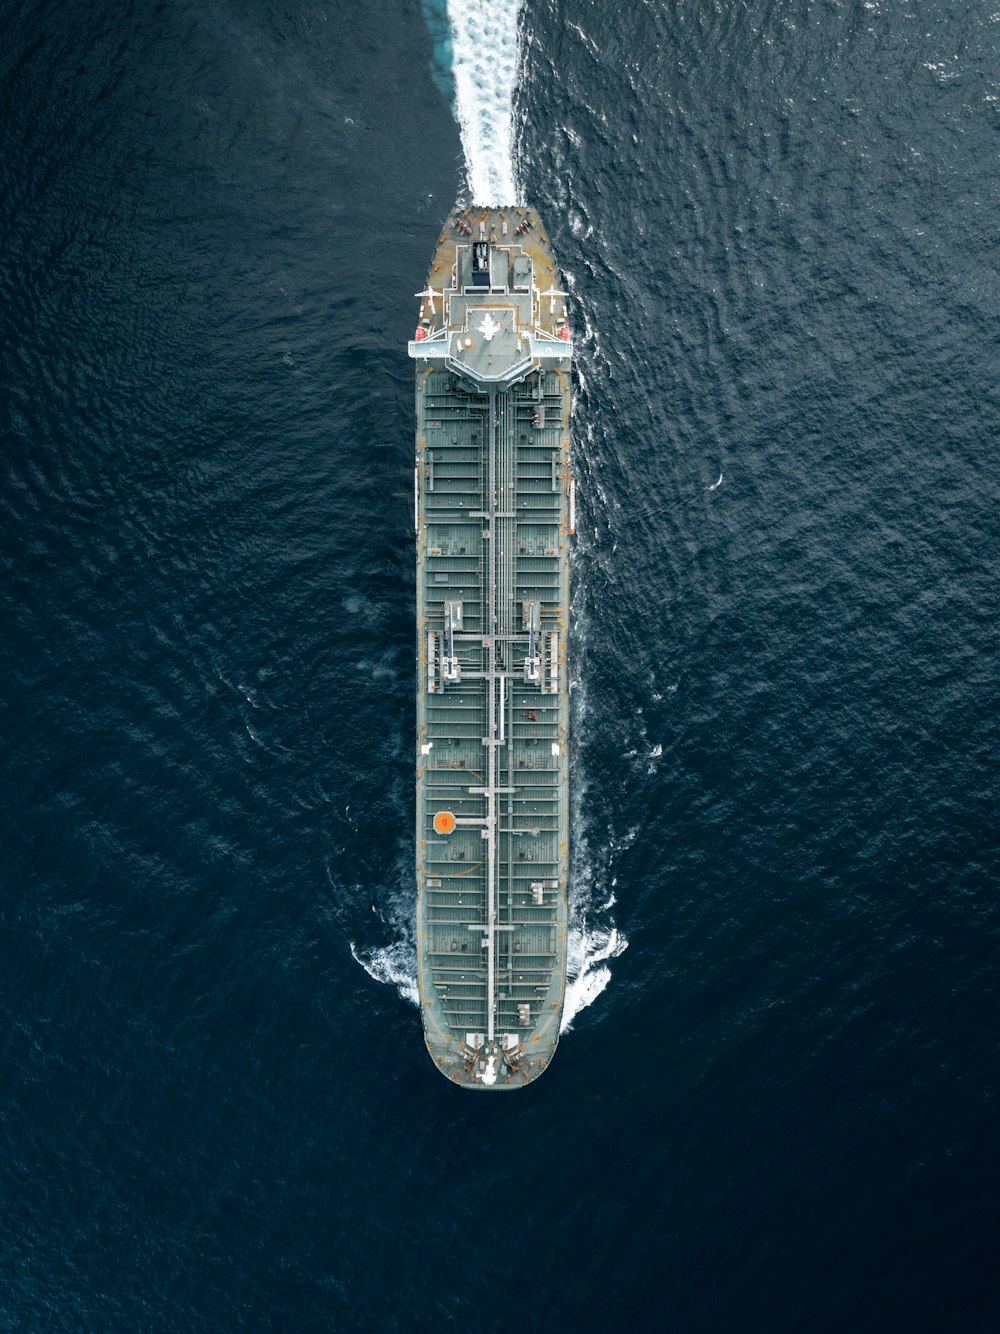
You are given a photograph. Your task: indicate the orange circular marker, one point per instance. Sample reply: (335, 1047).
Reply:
(444, 822)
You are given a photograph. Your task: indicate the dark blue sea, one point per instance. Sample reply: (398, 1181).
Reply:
(779, 1111)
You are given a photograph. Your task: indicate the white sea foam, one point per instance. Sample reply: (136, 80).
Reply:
(395, 965)
(587, 973)
(394, 962)
(484, 65)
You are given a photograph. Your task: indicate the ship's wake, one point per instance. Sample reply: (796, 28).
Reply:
(485, 53)
(392, 962)
(593, 936)
(395, 965)
(587, 972)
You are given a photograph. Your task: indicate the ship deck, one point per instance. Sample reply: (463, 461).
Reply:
(493, 509)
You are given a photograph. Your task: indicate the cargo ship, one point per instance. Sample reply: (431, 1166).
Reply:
(494, 511)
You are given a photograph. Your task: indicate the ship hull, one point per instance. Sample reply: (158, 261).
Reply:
(494, 502)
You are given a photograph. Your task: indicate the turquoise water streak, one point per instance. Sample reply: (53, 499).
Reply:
(439, 29)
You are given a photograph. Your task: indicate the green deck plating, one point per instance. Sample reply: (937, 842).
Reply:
(494, 505)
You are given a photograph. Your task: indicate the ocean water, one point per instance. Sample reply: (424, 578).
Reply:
(778, 1112)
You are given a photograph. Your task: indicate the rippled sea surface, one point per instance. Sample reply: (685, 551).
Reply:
(778, 224)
